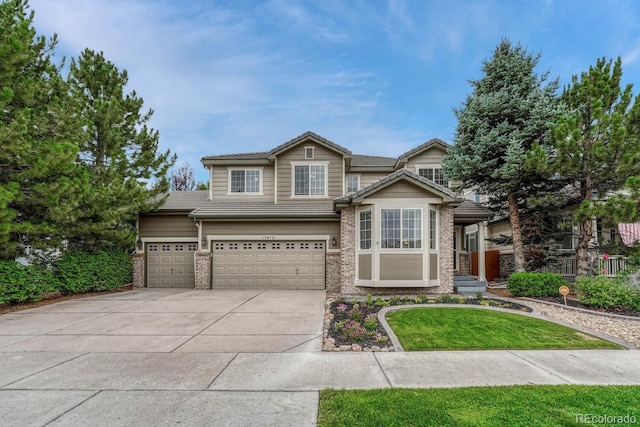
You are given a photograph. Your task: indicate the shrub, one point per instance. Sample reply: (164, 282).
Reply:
(354, 330)
(371, 322)
(526, 284)
(19, 283)
(103, 270)
(603, 292)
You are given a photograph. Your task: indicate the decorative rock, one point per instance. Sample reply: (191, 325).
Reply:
(331, 340)
(375, 348)
(345, 347)
(392, 349)
(356, 347)
(336, 349)
(328, 346)
(385, 349)
(366, 349)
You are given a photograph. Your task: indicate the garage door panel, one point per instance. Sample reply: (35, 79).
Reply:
(269, 265)
(170, 264)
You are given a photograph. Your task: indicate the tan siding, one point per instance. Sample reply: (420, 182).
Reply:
(259, 229)
(494, 231)
(433, 266)
(221, 184)
(400, 267)
(167, 226)
(402, 190)
(433, 156)
(321, 154)
(364, 266)
(367, 178)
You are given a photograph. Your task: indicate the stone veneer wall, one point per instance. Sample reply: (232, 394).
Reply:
(203, 270)
(446, 251)
(137, 260)
(348, 251)
(465, 263)
(333, 273)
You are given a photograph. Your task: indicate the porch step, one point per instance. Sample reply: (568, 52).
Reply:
(468, 285)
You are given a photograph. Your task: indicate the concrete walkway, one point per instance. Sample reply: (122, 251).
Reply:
(55, 369)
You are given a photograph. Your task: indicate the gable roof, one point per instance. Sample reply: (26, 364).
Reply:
(471, 212)
(361, 160)
(308, 135)
(267, 210)
(184, 201)
(399, 175)
(435, 142)
(239, 156)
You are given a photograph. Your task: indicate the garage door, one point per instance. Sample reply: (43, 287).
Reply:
(268, 265)
(171, 265)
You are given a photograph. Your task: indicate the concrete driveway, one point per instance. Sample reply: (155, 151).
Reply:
(172, 321)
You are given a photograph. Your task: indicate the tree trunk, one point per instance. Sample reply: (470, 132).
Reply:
(516, 233)
(583, 258)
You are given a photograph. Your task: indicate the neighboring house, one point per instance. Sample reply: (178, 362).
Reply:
(310, 214)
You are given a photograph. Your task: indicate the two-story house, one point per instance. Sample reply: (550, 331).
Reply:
(310, 214)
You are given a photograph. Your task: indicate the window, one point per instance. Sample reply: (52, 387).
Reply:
(308, 152)
(353, 183)
(401, 228)
(433, 173)
(365, 230)
(472, 242)
(310, 180)
(244, 181)
(433, 229)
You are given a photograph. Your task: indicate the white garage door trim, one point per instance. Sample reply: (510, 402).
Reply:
(268, 264)
(170, 263)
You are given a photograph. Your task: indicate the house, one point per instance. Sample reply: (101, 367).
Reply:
(310, 214)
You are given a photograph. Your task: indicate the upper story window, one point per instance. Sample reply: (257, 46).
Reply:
(309, 152)
(365, 230)
(245, 181)
(353, 183)
(310, 180)
(433, 173)
(401, 228)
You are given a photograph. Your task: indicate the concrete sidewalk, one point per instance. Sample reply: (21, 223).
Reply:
(154, 358)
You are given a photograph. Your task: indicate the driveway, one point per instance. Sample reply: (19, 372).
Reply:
(172, 321)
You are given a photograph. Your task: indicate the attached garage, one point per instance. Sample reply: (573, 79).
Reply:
(171, 265)
(268, 264)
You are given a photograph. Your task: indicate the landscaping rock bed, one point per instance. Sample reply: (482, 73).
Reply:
(353, 325)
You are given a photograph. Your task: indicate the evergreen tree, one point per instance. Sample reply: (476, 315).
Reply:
(39, 184)
(509, 109)
(596, 146)
(117, 149)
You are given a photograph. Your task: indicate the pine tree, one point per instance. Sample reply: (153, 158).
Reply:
(509, 109)
(39, 183)
(117, 149)
(596, 145)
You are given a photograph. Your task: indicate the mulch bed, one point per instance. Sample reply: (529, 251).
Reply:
(571, 301)
(341, 311)
(55, 297)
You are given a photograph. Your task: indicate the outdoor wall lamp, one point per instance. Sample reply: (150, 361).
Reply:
(334, 241)
(139, 244)
(204, 241)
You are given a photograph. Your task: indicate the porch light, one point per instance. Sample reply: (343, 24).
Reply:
(334, 241)
(139, 244)
(204, 241)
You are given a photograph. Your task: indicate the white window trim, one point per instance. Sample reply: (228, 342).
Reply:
(326, 180)
(346, 178)
(372, 241)
(407, 251)
(313, 152)
(437, 230)
(259, 193)
(428, 166)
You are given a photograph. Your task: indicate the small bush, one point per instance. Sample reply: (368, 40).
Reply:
(19, 283)
(604, 292)
(371, 322)
(354, 330)
(535, 284)
(103, 270)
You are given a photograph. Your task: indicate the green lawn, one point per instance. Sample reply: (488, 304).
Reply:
(474, 329)
(532, 405)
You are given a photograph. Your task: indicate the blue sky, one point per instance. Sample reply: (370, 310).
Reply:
(378, 77)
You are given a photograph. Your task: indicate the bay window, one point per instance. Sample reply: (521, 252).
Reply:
(401, 228)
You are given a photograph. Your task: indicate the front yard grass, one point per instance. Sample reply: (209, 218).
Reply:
(471, 329)
(531, 405)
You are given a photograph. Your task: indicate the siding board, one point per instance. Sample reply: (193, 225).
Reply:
(167, 226)
(364, 266)
(221, 184)
(401, 267)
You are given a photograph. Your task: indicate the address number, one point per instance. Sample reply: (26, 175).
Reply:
(268, 237)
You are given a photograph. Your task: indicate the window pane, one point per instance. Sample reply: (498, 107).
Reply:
(390, 228)
(237, 181)
(438, 177)
(411, 228)
(433, 228)
(316, 180)
(365, 230)
(252, 182)
(426, 172)
(301, 181)
(352, 183)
